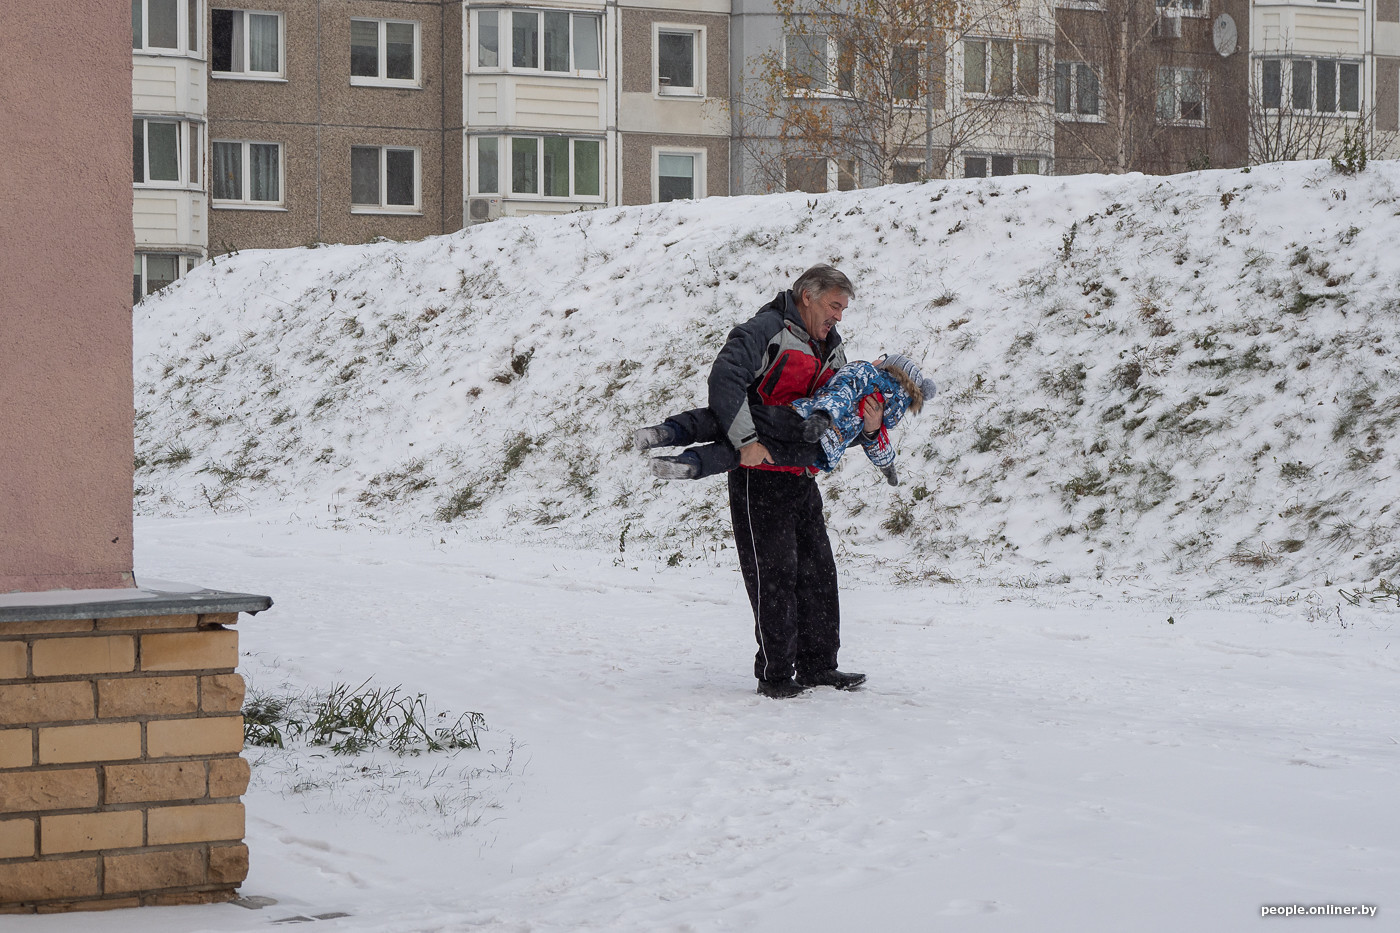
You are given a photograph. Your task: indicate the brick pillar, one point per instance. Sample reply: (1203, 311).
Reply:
(120, 767)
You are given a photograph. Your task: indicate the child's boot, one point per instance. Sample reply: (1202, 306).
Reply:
(658, 435)
(890, 474)
(681, 466)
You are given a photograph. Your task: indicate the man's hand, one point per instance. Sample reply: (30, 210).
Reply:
(873, 411)
(754, 454)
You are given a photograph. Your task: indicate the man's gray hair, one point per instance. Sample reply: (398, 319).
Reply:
(821, 279)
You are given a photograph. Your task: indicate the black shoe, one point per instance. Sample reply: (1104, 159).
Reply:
(658, 435)
(814, 427)
(891, 474)
(780, 689)
(838, 679)
(677, 467)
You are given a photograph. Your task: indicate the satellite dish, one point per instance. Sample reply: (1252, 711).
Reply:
(1226, 36)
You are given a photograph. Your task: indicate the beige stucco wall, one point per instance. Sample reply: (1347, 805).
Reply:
(65, 298)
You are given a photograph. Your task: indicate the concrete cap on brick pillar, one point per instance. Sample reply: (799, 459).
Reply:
(149, 599)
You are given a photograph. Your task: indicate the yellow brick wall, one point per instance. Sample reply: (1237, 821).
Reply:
(120, 767)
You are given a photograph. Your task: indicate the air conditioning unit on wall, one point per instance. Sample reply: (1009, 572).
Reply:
(480, 210)
(1168, 25)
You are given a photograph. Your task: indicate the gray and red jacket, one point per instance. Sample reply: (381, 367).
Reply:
(769, 360)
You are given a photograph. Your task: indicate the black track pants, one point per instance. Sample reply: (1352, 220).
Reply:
(778, 426)
(789, 572)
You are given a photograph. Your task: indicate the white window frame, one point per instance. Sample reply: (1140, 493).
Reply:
(183, 16)
(141, 267)
(1193, 8)
(1287, 64)
(699, 167)
(832, 60)
(920, 66)
(245, 202)
(698, 46)
(505, 177)
(1073, 115)
(247, 74)
(188, 158)
(1180, 76)
(383, 207)
(380, 80)
(506, 51)
(1016, 45)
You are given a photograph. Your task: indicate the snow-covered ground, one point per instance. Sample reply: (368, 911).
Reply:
(1133, 665)
(1022, 760)
(1185, 384)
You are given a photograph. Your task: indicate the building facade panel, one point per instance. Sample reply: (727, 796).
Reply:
(343, 223)
(293, 221)
(1339, 31)
(1388, 94)
(559, 104)
(638, 163)
(638, 29)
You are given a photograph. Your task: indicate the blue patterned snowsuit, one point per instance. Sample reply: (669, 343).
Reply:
(840, 398)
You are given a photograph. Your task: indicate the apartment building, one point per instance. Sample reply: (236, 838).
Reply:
(1000, 120)
(970, 94)
(333, 121)
(1321, 67)
(1154, 86)
(306, 121)
(568, 106)
(170, 205)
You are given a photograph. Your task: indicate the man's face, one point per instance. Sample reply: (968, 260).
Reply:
(821, 312)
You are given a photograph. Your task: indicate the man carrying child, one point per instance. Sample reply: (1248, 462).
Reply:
(787, 351)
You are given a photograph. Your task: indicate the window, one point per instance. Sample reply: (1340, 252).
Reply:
(1271, 83)
(1181, 96)
(158, 25)
(1076, 90)
(1322, 85)
(552, 41)
(678, 57)
(245, 43)
(1001, 68)
(245, 173)
(984, 166)
(164, 152)
(1183, 7)
(383, 52)
(678, 175)
(153, 271)
(818, 175)
(819, 64)
(907, 172)
(540, 166)
(383, 179)
(904, 73)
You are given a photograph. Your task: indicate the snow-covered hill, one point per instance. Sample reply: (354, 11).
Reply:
(1187, 382)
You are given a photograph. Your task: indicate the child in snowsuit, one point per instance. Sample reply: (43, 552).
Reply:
(832, 421)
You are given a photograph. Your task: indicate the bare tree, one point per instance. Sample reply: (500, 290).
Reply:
(860, 88)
